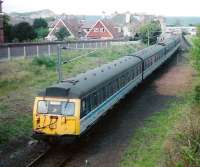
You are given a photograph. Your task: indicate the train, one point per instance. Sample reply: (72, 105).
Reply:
(71, 107)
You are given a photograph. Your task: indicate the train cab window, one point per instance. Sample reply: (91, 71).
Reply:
(68, 109)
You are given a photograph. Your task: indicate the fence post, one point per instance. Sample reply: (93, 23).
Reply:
(106, 44)
(83, 45)
(9, 56)
(76, 45)
(96, 44)
(49, 50)
(37, 47)
(24, 51)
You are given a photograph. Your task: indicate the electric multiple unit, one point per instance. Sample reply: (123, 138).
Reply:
(71, 107)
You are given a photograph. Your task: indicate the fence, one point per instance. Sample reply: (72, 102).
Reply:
(16, 50)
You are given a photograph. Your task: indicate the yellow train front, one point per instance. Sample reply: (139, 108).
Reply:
(56, 116)
(71, 107)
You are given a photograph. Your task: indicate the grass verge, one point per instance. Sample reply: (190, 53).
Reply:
(146, 148)
(170, 138)
(21, 80)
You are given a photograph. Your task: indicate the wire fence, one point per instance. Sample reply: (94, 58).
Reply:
(28, 50)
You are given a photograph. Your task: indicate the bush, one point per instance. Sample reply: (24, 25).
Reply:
(44, 61)
(197, 94)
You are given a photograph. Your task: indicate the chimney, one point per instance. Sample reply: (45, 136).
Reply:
(1, 24)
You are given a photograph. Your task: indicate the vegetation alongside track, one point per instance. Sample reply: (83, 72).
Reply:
(21, 80)
(171, 138)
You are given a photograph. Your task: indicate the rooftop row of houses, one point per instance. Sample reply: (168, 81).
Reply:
(114, 27)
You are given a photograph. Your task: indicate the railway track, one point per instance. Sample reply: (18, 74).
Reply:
(53, 157)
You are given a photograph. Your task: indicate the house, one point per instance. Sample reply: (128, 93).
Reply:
(104, 29)
(126, 22)
(72, 25)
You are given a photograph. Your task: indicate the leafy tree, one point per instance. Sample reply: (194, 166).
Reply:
(40, 26)
(150, 31)
(41, 32)
(7, 29)
(23, 32)
(40, 23)
(62, 34)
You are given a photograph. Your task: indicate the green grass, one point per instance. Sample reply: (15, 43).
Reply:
(21, 80)
(146, 147)
(170, 138)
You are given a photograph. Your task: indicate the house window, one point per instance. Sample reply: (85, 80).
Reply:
(102, 30)
(96, 29)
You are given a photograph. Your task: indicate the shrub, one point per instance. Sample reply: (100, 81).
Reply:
(44, 61)
(197, 94)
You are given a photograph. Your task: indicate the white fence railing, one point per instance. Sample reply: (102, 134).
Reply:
(26, 50)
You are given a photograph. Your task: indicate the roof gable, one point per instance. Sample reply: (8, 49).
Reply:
(72, 25)
(99, 24)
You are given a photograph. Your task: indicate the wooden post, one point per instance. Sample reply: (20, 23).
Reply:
(83, 45)
(49, 50)
(37, 47)
(9, 56)
(24, 51)
(76, 45)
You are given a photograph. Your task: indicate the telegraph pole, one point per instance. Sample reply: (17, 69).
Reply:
(1, 23)
(148, 36)
(59, 64)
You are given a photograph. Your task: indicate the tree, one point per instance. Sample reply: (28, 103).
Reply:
(62, 34)
(40, 23)
(7, 29)
(41, 28)
(23, 32)
(149, 32)
(41, 32)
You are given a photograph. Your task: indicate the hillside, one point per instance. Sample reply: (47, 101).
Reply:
(182, 21)
(30, 16)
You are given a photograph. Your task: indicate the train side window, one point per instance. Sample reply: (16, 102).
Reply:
(104, 93)
(110, 89)
(132, 74)
(83, 108)
(94, 100)
(99, 96)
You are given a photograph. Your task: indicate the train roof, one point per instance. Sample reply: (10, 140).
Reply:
(85, 83)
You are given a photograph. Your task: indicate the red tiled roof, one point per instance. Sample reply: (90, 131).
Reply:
(112, 28)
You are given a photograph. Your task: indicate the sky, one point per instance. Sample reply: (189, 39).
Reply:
(95, 7)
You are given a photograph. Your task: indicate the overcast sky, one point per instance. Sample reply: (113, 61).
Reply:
(157, 7)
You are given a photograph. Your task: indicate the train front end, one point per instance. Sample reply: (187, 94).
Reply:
(55, 117)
